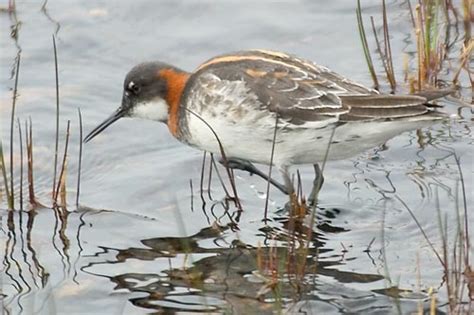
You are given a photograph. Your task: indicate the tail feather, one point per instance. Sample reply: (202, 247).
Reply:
(435, 94)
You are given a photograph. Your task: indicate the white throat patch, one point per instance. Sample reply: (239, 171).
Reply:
(156, 109)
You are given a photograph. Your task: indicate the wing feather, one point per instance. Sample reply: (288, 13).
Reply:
(301, 91)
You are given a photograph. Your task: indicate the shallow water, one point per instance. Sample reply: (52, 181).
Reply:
(144, 239)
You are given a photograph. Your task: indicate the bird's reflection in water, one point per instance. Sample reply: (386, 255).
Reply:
(285, 263)
(227, 274)
(288, 263)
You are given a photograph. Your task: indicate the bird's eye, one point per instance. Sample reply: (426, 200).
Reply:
(133, 87)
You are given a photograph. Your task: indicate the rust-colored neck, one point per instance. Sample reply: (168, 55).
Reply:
(176, 81)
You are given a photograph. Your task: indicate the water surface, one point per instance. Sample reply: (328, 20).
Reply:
(144, 239)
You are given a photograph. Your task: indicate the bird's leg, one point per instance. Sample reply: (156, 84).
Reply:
(317, 184)
(244, 165)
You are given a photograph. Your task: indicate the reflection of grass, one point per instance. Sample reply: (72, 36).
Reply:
(458, 277)
(454, 258)
(458, 273)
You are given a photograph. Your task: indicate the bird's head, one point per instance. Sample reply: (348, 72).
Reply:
(151, 90)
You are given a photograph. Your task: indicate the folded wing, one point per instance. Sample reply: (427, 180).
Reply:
(300, 91)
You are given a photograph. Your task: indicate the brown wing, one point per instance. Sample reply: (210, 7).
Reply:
(301, 91)
(371, 107)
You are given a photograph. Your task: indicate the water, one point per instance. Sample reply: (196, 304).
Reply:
(142, 240)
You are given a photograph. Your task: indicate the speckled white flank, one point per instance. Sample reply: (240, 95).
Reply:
(246, 131)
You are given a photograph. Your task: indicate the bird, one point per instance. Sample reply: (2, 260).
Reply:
(251, 103)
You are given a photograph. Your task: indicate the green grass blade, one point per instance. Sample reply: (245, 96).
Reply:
(365, 46)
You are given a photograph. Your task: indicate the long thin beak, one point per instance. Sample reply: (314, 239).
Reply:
(109, 121)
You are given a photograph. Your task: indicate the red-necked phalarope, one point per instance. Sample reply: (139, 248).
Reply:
(242, 95)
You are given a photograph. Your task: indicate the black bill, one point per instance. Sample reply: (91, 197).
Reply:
(109, 121)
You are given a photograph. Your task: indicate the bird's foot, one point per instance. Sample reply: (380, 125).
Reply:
(244, 165)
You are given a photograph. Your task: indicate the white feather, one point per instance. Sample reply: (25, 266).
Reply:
(156, 109)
